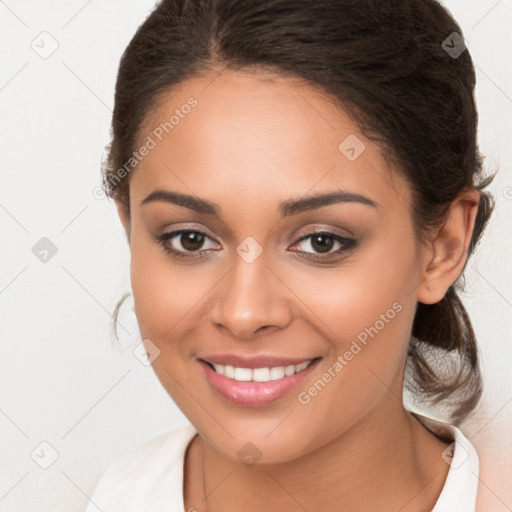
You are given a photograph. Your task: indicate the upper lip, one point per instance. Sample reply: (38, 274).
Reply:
(262, 361)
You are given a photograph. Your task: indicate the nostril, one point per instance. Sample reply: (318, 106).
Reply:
(263, 328)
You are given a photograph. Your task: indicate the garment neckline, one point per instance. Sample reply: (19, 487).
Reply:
(461, 483)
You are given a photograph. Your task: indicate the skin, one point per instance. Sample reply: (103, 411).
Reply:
(251, 143)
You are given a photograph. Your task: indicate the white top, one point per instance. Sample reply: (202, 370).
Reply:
(150, 477)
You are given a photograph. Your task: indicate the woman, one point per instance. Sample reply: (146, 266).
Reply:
(301, 188)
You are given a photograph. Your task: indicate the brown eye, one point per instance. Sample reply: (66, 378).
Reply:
(322, 242)
(192, 240)
(185, 243)
(321, 245)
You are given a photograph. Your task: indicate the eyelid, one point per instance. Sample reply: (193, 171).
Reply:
(331, 230)
(348, 245)
(166, 237)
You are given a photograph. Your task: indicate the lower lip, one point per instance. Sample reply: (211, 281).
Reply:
(255, 393)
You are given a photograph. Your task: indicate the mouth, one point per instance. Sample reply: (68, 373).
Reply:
(257, 385)
(265, 374)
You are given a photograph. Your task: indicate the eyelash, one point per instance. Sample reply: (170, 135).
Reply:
(348, 244)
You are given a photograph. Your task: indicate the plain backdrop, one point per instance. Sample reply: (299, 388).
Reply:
(71, 400)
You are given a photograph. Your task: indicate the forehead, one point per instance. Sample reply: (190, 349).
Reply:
(257, 138)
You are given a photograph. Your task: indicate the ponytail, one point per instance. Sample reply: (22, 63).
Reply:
(443, 357)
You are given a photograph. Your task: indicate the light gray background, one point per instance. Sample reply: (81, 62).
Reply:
(63, 381)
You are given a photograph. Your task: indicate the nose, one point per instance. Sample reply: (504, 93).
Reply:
(250, 299)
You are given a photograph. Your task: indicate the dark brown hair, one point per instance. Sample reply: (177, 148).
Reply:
(388, 64)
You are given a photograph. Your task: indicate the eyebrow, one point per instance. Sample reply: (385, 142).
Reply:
(286, 208)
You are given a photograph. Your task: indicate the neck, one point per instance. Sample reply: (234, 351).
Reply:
(386, 461)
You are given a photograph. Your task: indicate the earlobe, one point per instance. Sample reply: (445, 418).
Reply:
(449, 248)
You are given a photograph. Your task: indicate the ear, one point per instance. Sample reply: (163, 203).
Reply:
(124, 217)
(447, 252)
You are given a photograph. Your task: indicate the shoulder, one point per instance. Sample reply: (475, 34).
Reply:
(150, 475)
(461, 485)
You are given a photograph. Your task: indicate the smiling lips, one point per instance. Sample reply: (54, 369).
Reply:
(260, 374)
(255, 381)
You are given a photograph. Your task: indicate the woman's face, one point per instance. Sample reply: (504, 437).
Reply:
(252, 292)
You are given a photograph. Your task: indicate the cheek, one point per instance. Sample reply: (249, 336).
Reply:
(164, 293)
(366, 324)
(364, 310)
(342, 302)
(374, 290)
(357, 300)
(365, 313)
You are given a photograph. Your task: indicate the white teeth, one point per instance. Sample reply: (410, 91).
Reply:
(289, 370)
(219, 368)
(260, 374)
(243, 374)
(302, 366)
(277, 372)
